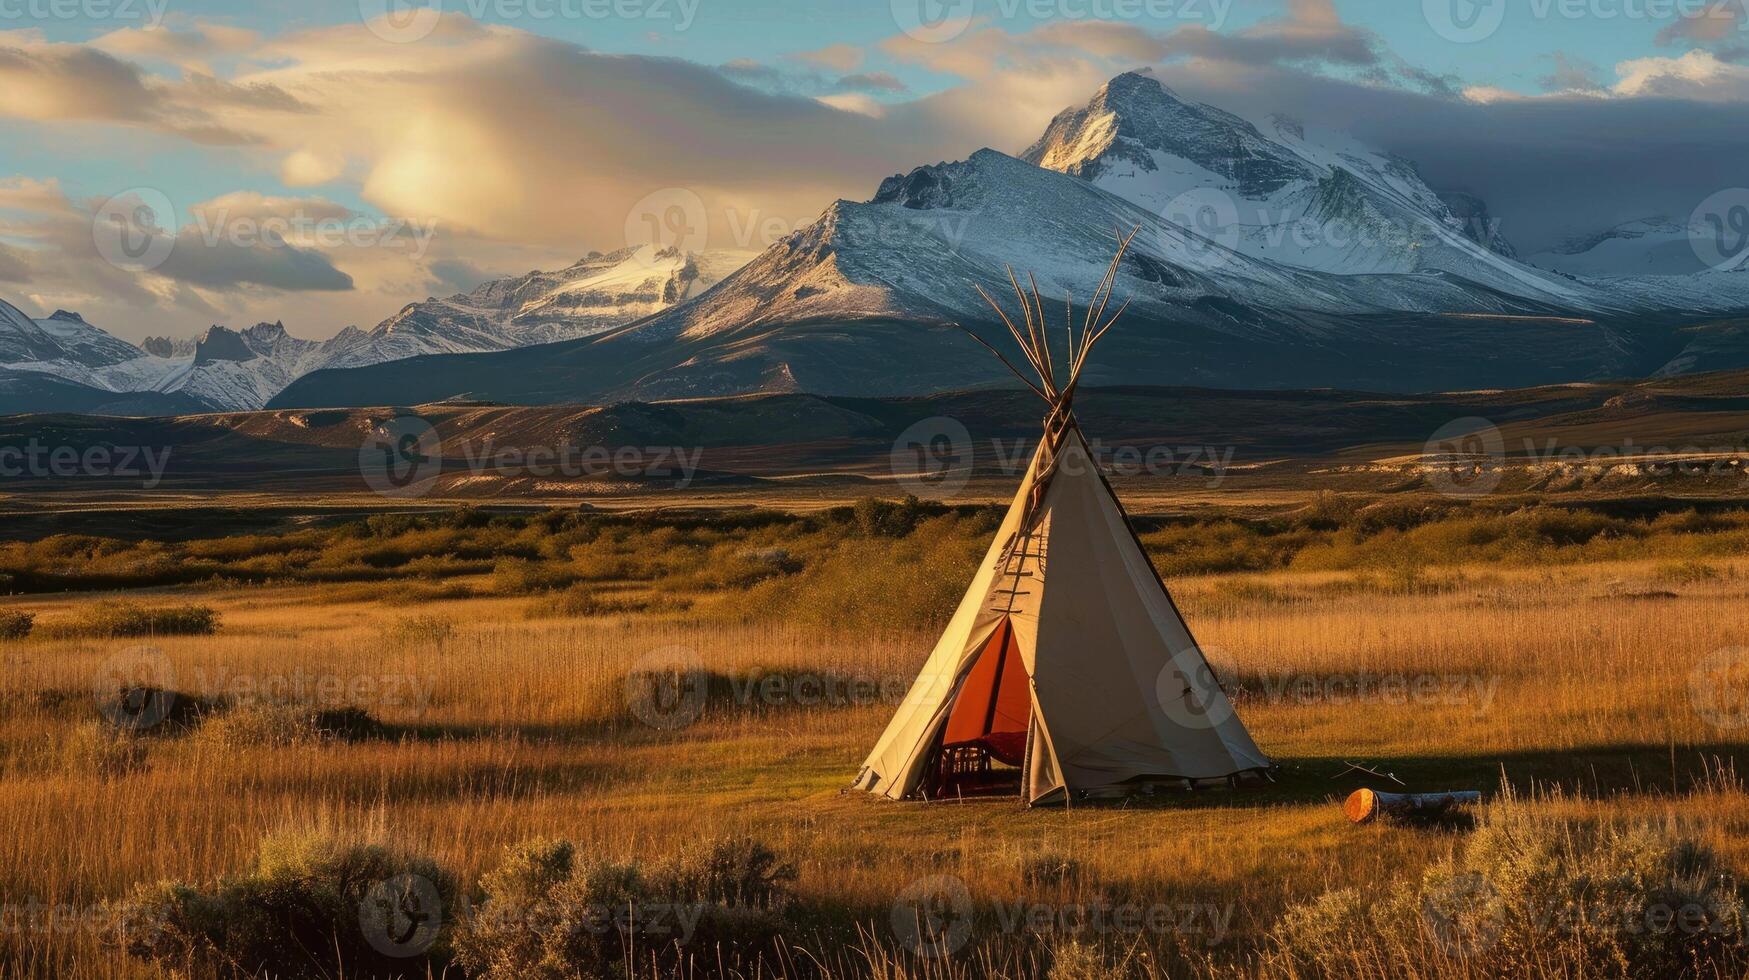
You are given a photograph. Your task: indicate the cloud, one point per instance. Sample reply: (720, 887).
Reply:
(528, 151)
(1571, 74)
(1718, 21)
(309, 168)
(193, 47)
(1697, 75)
(874, 81)
(68, 81)
(833, 57)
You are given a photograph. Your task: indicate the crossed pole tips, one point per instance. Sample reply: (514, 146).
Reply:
(1034, 340)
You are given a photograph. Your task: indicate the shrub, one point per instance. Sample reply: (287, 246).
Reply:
(15, 625)
(550, 914)
(310, 907)
(266, 724)
(1527, 890)
(100, 749)
(581, 600)
(119, 619)
(517, 576)
(1049, 869)
(419, 630)
(1686, 572)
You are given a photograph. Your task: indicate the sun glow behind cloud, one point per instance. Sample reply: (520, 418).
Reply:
(527, 150)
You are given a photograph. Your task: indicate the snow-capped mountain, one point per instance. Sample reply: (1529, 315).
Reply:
(226, 369)
(1308, 199)
(599, 292)
(859, 303)
(62, 341)
(1653, 246)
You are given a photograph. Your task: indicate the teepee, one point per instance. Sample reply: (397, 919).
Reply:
(1067, 671)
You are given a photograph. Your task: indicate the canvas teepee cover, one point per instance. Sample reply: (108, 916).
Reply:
(1066, 659)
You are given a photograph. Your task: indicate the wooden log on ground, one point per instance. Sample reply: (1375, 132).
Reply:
(1364, 805)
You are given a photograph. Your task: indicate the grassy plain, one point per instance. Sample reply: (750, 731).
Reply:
(1592, 659)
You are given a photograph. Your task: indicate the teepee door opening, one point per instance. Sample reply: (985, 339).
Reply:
(983, 745)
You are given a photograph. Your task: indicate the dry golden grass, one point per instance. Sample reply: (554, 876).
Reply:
(500, 727)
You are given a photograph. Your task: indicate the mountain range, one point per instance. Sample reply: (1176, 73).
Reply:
(81, 367)
(1267, 254)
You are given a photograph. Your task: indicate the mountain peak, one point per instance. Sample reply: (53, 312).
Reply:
(67, 316)
(221, 344)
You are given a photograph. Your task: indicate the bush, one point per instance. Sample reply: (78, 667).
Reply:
(1686, 572)
(100, 749)
(582, 600)
(430, 630)
(552, 915)
(516, 576)
(120, 619)
(15, 625)
(266, 724)
(311, 907)
(1528, 890)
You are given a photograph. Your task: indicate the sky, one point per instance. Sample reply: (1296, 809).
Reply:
(324, 163)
